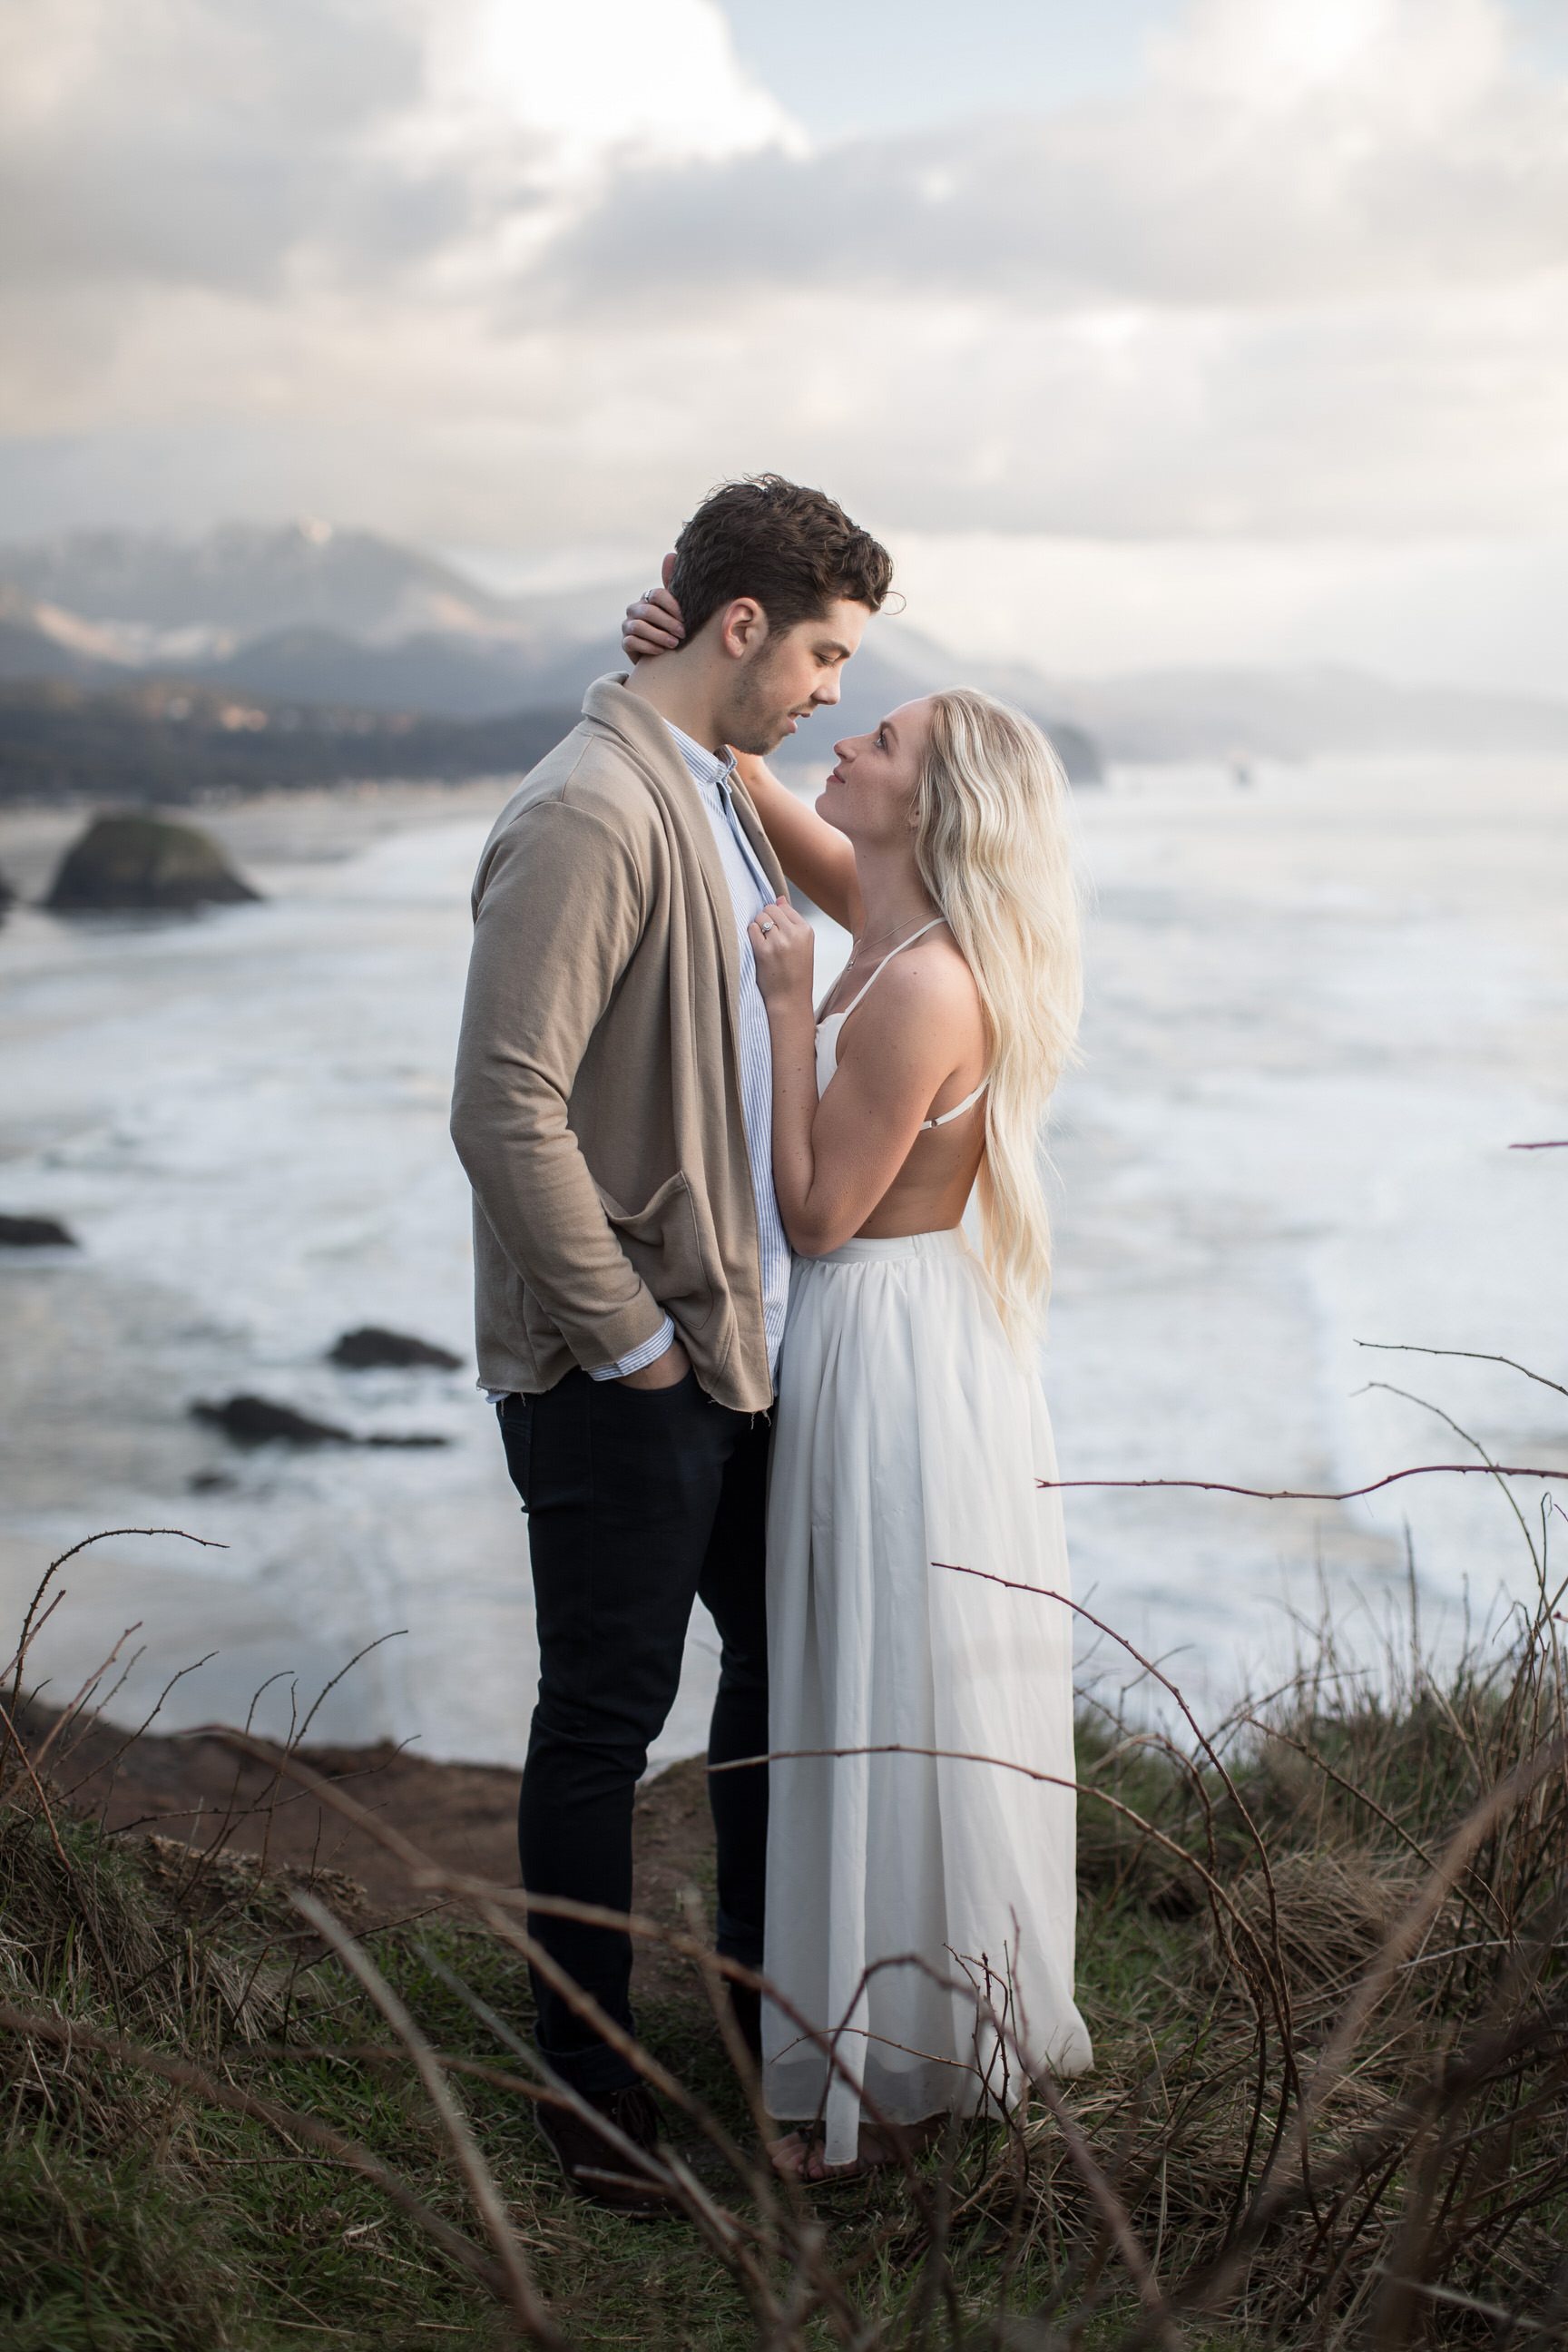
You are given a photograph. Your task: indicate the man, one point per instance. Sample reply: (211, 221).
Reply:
(613, 1108)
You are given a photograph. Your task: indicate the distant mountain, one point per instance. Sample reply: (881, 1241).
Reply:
(309, 613)
(247, 580)
(39, 641)
(448, 677)
(309, 616)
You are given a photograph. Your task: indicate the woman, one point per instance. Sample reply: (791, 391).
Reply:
(914, 1898)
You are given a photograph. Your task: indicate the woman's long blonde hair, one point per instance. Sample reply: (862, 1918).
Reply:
(992, 842)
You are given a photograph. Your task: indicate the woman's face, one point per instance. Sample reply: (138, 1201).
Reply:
(870, 794)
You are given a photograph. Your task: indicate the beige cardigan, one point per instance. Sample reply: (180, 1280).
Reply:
(597, 1106)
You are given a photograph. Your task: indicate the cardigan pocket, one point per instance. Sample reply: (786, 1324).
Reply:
(667, 1244)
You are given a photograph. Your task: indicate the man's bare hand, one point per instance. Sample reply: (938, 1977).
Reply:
(653, 623)
(664, 1372)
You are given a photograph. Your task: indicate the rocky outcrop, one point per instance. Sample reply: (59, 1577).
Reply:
(372, 1349)
(134, 862)
(33, 1233)
(253, 1421)
(256, 1421)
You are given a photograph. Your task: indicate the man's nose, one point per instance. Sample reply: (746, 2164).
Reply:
(826, 692)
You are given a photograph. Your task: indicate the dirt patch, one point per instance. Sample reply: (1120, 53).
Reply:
(465, 1815)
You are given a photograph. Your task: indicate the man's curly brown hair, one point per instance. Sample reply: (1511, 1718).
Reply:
(794, 550)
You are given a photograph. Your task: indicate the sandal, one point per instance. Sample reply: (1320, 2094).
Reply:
(798, 2155)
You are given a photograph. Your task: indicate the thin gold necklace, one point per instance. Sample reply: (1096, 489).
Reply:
(859, 945)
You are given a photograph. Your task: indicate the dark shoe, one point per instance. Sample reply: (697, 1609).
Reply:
(595, 2167)
(746, 2008)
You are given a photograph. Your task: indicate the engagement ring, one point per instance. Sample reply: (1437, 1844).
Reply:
(767, 928)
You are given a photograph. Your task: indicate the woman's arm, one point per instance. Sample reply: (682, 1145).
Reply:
(835, 1159)
(817, 859)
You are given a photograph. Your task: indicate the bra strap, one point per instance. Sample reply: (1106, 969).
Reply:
(882, 967)
(958, 1108)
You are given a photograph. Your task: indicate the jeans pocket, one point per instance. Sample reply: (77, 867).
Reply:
(677, 1394)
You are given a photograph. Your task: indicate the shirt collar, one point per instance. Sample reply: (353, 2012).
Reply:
(705, 767)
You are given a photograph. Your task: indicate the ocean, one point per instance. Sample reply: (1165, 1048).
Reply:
(1321, 1008)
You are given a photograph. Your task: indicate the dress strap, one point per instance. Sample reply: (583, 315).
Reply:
(958, 1108)
(887, 959)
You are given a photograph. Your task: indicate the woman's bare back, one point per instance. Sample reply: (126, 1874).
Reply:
(931, 1189)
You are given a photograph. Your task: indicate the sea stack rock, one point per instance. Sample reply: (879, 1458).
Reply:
(256, 1421)
(143, 862)
(370, 1349)
(33, 1233)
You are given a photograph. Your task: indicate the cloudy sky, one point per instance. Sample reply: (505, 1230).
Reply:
(1149, 330)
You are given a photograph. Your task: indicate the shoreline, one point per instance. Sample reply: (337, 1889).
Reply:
(1314, 1026)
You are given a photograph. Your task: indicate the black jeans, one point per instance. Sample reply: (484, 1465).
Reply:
(637, 1501)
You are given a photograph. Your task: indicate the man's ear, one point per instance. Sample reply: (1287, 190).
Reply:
(742, 625)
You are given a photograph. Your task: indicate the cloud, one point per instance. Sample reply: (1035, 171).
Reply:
(603, 78)
(187, 142)
(198, 144)
(1282, 154)
(493, 270)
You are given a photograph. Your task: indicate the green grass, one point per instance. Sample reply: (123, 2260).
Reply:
(138, 2216)
(133, 2214)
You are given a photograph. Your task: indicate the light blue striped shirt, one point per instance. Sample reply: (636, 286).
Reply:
(750, 891)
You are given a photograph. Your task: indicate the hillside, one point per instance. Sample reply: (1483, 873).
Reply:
(347, 653)
(370, 635)
(171, 743)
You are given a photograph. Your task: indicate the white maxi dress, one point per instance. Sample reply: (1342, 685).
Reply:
(910, 1895)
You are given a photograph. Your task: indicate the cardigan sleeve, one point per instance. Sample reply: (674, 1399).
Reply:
(558, 912)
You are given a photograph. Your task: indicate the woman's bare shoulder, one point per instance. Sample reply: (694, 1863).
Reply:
(933, 972)
(929, 987)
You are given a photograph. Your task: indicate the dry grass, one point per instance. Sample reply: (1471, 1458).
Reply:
(1321, 1952)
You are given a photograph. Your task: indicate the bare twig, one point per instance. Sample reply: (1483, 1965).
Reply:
(1497, 1473)
(1310, 1495)
(103, 1536)
(1469, 1355)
